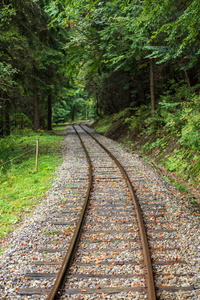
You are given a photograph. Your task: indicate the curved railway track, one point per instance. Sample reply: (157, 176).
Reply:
(113, 232)
(109, 255)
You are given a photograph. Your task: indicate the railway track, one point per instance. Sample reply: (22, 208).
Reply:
(124, 249)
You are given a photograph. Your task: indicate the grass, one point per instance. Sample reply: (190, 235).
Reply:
(20, 185)
(59, 127)
(105, 124)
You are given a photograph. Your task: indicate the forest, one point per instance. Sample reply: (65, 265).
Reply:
(61, 60)
(136, 60)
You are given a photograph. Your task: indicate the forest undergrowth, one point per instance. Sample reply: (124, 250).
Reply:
(170, 140)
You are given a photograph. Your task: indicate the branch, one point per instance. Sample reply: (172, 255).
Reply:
(5, 99)
(10, 86)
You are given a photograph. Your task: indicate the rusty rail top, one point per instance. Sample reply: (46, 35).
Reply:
(68, 259)
(151, 293)
(60, 280)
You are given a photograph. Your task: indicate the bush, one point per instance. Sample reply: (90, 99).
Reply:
(190, 132)
(141, 113)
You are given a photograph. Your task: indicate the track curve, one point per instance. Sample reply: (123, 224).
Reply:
(75, 239)
(148, 273)
(106, 257)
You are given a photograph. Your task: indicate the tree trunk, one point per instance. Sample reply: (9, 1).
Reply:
(49, 124)
(152, 88)
(36, 117)
(73, 112)
(7, 123)
(1, 122)
(187, 78)
(97, 104)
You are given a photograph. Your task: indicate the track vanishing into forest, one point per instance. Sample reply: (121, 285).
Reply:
(116, 238)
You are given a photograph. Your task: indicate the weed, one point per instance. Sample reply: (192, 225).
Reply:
(63, 199)
(68, 185)
(181, 187)
(51, 231)
(166, 178)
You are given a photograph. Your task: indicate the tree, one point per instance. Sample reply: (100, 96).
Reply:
(176, 35)
(33, 58)
(122, 53)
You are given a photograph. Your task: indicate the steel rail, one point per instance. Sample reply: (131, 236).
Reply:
(63, 272)
(151, 292)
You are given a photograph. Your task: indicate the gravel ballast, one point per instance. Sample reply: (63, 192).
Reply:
(32, 239)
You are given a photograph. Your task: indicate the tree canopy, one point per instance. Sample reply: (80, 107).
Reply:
(61, 57)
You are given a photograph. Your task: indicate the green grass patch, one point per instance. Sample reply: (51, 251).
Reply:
(59, 127)
(103, 125)
(20, 185)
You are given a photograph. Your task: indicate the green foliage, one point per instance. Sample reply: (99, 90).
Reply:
(172, 137)
(32, 58)
(87, 53)
(175, 29)
(190, 132)
(6, 75)
(61, 112)
(135, 122)
(101, 47)
(158, 143)
(20, 186)
(104, 124)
